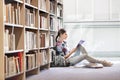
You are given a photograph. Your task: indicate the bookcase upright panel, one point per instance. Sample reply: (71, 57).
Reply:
(2, 74)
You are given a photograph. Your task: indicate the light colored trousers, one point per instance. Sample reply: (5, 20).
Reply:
(77, 57)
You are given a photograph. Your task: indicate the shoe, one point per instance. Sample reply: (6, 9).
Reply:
(106, 63)
(93, 65)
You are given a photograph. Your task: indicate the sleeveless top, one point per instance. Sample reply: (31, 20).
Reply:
(61, 51)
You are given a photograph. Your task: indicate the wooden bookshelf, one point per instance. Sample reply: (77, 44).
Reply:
(28, 30)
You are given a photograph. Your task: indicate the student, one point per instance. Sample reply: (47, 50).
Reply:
(64, 57)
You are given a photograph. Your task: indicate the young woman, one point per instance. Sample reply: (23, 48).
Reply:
(64, 57)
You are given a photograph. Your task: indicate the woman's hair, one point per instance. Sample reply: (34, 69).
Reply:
(61, 31)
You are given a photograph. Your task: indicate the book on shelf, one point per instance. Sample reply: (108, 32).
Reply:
(11, 64)
(31, 40)
(44, 58)
(43, 22)
(9, 44)
(59, 24)
(43, 4)
(30, 61)
(8, 13)
(52, 55)
(6, 39)
(6, 65)
(30, 17)
(52, 40)
(17, 64)
(39, 60)
(42, 39)
(28, 1)
(60, 1)
(52, 7)
(12, 13)
(53, 23)
(20, 55)
(59, 11)
(12, 42)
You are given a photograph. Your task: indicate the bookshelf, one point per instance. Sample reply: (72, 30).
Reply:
(28, 30)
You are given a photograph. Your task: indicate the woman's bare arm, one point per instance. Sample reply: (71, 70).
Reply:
(72, 51)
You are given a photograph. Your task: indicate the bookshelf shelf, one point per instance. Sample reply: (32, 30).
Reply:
(14, 51)
(31, 6)
(32, 28)
(42, 48)
(19, 1)
(28, 29)
(18, 74)
(44, 11)
(27, 71)
(60, 17)
(13, 25)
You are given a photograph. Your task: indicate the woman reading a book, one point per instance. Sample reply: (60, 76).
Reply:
(64, 57)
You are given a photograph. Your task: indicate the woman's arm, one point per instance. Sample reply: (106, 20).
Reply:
(70, 52)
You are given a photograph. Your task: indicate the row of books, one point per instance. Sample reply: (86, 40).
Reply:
(28, 1)
(34, 59)
(52, 40)
(31, 60)
(59, 23)
(53, 23)
(9, 39)
(43, 21)
(43, 55)
(12, 13)
(59, 11)
(31, 40)
(30, 17)
(43, 4)
(13, 64)
(60, 1)
(52, 7)
(52, 55)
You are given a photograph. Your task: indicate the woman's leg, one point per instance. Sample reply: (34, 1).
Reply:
(76, 58)
(78, 49)
(94, 60)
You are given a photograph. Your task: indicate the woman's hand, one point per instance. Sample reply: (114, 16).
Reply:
(68, 54)
(65, 57)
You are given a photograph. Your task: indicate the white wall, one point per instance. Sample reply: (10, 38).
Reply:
(96, 39)
(81, 10)
(69, 9)
(79, 17)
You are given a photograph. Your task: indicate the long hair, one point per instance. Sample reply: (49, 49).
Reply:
(61, 31)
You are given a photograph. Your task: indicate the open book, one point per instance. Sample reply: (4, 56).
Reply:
(80, 42)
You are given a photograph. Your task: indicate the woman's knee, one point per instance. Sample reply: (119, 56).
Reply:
(85, 55)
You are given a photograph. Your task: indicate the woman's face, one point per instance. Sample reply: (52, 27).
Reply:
(64, 36)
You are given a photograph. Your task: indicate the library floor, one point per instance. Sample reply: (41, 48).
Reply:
(71, 73)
